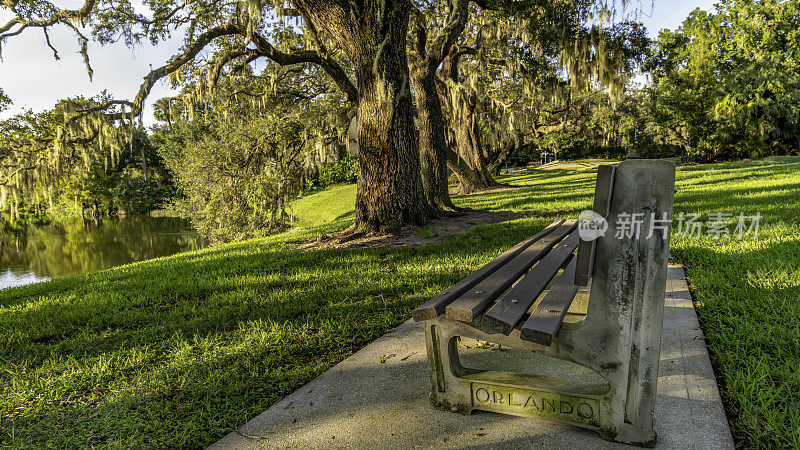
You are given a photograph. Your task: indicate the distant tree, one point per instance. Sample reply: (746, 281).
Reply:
(37, 153)
(514, 72)
(685, 87)
(238, 165)
(46, 167)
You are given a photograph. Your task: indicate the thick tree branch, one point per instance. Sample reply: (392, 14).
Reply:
(225, 59)
(328, 64)
(138, 18)
(451, 32)
(263, 48)
(62, 16)
(176, 63)
(427, 58)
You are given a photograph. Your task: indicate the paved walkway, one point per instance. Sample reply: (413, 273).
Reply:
(378, 398)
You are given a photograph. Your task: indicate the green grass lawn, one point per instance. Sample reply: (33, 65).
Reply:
(176, 352)
(330, 205)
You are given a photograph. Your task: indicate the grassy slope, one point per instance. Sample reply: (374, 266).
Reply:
(177, 351)
(330, 205)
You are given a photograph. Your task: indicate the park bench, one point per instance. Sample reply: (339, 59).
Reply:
(520, 300)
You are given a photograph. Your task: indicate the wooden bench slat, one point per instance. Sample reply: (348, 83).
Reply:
(434, 307)
(504, 315)
(470, 305)
(603, 191)
(545, 320)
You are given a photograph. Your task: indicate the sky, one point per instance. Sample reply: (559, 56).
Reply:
(35, 80)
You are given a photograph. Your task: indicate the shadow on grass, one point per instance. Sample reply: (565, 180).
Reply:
(210, 337)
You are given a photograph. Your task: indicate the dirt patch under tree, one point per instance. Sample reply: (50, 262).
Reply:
(436, 231)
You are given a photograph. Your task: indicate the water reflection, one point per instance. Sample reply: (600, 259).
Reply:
(38, 253)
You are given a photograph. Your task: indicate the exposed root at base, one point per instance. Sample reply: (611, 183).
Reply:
(413, 236)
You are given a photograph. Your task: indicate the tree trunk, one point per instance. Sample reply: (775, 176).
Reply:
(389, 194)
(432, 141)
(473, 176)
(426, 57)
(508, 148)
(467, 144)
(144, 160)
(466, 176)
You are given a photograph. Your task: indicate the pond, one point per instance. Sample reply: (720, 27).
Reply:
(39, 253)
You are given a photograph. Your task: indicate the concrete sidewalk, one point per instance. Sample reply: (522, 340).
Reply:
(378, 398)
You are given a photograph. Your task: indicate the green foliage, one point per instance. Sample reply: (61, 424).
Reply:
(618, 130)
(238, 170)
(343, 171)
(47, 170)
(540, 71)
(135, 195)
(4, 100)
(598, 127)
(560, 141)
(241, 151)
(94, 189)
(523, 155)
(727, 84)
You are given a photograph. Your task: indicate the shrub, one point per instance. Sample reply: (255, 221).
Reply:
(343, 171)
(236, 173)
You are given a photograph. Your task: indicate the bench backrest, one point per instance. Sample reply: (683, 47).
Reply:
(603, 192)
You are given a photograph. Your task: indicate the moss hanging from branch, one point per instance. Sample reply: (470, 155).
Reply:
(40, 149)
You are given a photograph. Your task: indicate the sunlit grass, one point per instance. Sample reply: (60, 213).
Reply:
(325, 206)
(177, 351)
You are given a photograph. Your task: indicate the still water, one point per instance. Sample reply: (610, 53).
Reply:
(39, 253)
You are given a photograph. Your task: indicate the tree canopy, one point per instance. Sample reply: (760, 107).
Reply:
(727, 83)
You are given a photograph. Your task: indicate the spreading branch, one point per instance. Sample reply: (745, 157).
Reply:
(18, 24)
(263, 49)
(328, 64)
